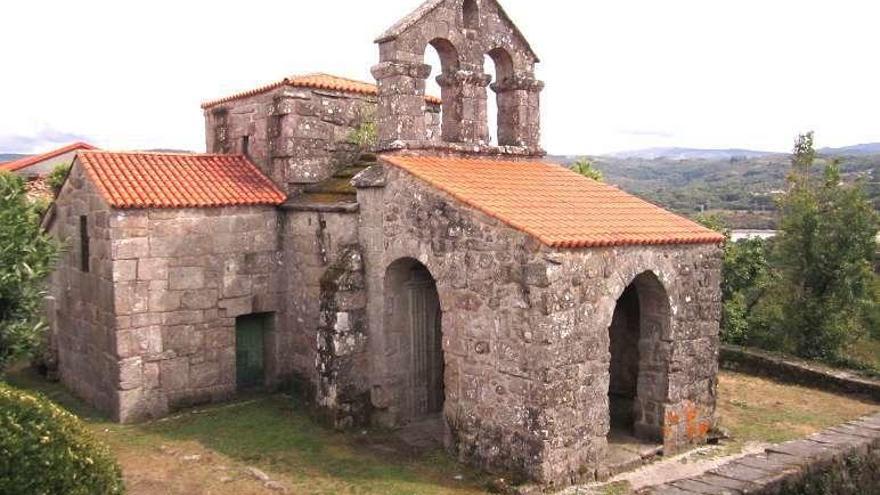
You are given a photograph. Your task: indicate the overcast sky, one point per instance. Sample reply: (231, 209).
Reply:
(620, 74)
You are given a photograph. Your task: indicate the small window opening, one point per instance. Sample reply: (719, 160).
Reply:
(471, 14)
(84, 243)
(245, 145)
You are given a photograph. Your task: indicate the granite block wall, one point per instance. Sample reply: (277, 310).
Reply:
(81, 308)
(181, 277)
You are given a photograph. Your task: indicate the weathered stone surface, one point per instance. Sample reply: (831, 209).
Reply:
(186, 278)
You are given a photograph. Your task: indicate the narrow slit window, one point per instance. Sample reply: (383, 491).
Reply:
(245, 145)
(84, 243)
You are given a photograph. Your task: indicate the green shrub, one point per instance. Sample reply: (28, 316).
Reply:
(56, 178)
(365, 134)
(588, 169)
(27, 255)
(46, 450)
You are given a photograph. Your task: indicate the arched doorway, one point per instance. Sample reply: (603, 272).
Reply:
(638, 364)
(413, 327)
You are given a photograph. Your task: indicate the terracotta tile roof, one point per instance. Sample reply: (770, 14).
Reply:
(313, 81)
(166, 180)
(559, 207)
(33, 160)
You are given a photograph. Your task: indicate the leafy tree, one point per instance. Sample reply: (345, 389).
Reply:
(747, 274)
(26, 258)
(56, 178)
(586, 168)
(824, 252)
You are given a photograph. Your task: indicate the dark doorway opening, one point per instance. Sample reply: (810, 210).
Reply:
(639, 336)
(250, 350)
(624, 369)
(427, 342)
(414, 329)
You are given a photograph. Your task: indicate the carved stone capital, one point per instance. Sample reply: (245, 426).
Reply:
(409, 69)
(518, 83)
(463, 77)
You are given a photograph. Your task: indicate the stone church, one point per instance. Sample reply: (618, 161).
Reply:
(439, 276)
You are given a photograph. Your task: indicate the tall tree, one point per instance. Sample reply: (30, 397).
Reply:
(26, 258)
(824, 252)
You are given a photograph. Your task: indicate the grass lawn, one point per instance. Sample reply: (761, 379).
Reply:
(866, 352)
(759, 410)
(208, 450)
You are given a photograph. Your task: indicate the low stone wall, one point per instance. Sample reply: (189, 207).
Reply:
(841, 460)
(791, 370)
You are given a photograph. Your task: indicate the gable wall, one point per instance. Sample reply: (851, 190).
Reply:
(479, 266)
(81, 311)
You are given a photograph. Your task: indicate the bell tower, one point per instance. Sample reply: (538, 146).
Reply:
(463, 32)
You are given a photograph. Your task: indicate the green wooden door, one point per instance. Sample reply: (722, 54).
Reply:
(250, 332)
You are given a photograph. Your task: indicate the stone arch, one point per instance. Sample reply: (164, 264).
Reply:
(506, 103)
(470, 11)
(450, 91)
(415, 360)
(639, 353)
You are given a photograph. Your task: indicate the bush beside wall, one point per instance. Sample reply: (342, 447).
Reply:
(46, 450)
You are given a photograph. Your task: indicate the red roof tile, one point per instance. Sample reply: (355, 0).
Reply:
(559, 207)
(33, 160)
(313, 81)
(165, 180)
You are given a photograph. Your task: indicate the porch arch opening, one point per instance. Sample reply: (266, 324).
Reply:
(413, 326)
(638, 360)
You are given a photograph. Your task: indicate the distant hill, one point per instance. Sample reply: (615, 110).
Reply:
(734, 153)
(743, 190)
(8, 157)
(691, 154)
(856, 150)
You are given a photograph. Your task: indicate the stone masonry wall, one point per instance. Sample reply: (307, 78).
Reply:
(525, 331)
(315, 247)
(82, 303)
(181, 278)
(580, 290)
(296, 136)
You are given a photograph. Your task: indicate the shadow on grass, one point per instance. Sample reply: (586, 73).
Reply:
(273, 433)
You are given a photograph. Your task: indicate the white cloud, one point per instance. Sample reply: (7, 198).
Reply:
(722, 73)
